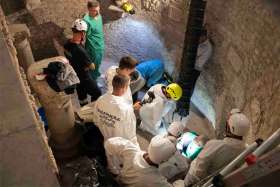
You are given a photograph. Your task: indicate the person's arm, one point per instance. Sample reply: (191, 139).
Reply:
(67, 53)
(87, 63)
(200, 166)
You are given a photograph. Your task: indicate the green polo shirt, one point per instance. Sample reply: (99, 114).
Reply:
(95, 36)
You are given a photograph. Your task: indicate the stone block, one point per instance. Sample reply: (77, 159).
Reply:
(16, 28)
(32, 4)
(24, 161)
(234, 59)
(237, 91)
(15, 111)
(175, 14)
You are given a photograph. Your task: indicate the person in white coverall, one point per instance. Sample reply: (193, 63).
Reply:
(137, 168)
(152, 113)
(113, 115)
(126, 66)
(216, 154)
(178, 164)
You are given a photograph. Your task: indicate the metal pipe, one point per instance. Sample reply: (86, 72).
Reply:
(231, 166)
(269, 144)
(188, 75)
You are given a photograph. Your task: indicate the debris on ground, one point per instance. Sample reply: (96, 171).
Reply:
(81, 172)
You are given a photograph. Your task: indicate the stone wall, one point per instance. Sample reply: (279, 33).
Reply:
(26, 159)
(245, 69)
(53, 17)
(170, 18)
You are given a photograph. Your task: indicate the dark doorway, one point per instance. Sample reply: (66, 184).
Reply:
(12, 6)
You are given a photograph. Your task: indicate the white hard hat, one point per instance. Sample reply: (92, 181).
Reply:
(80, 25)
(176, 128)
(238, 123)
(160, 149)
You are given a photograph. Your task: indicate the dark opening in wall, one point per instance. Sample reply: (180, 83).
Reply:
(12, 6)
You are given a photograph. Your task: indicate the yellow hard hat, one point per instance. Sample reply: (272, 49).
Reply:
(127, 7)
(175, 91)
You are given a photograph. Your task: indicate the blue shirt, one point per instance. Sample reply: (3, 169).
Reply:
(152, 71)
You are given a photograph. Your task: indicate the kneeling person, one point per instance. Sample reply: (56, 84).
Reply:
(216, 154)
(137, 168)
(163, 101)
(126, 67)
(113, 115)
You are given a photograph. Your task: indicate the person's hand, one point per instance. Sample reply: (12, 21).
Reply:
(137, 106)
(92, 66)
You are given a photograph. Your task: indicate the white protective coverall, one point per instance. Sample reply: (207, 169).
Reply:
(152, 114)
(174, 166)
(111, 72)
(215, 155)
(115, 117)
(204, 53)
(132, 169)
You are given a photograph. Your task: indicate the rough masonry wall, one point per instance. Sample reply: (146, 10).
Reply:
(170, 18)
(26, 159)
(245, 69)
(48, 21)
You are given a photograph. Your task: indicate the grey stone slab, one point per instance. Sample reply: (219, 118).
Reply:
(15, 111)
(24, 161)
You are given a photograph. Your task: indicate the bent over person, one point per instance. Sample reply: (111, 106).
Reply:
(113, 115)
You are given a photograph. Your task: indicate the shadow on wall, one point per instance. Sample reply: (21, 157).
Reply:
(203, 102)
(42, 40)
(12, 6)
(129, 36)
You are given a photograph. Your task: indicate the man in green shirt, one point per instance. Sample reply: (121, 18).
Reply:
(95, 36)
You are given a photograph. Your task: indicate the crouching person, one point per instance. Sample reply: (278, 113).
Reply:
(113, 115)
(158, 102)
(218, 153)
(188, 145)
(137, 168)
(126, 67)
